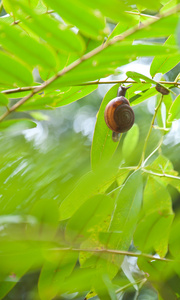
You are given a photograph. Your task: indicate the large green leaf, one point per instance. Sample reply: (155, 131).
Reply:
(49, 29)
(91, 213)
(126, 213)
(58, 266)
(164, 64)
(29, 50)
(163, 27)
(90, 22)
(152, 233)
(103, 146)
(89, 185)
(107, 60)
(130, 141)
(13, 73)
(56, 99)
(11, 9)
(156, 197)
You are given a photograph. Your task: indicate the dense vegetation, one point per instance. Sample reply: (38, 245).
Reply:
(84, 217)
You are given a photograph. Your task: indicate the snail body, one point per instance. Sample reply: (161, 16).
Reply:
(118, 114)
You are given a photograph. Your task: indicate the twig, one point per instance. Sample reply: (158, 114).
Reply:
(149, 132)
(118, 252)
(88, 56)
(30, 88)
(160, 174)
(141, 15)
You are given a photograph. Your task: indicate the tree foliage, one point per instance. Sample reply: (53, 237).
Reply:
(82, 233)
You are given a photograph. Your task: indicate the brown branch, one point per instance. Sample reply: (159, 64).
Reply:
(118, 252)
(88, 56)
(30, 88)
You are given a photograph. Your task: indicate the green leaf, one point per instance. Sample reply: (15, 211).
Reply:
(174, 112)
(138, 98)
(91, 213)
(49, 29)
(103, 146)
(162, 165)
(161, 28)
(164, 64)
(32, 52)
(153, 5)
(126, 213)
(13, 73)
(136, 75)
(156, 190)
(3, 100)
(63, 97)
(90, 22)
(17, 124)
(89, 185)
(11, 9)
(130, 141)
(58, 266)
(152, 233)
(46, 215)
(111, 10)
(105, 62)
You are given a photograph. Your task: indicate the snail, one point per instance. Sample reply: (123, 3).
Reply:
(161, 89)
(119, 116)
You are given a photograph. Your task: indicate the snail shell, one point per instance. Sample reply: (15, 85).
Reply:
(119, 116)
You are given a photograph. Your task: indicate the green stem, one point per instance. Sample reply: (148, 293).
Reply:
(149, 132)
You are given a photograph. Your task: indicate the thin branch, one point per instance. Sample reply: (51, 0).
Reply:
(141, 15)
(149, 132)
(30, 88)
(87, 56)
(152, 153)
(142, 281)
(160, 174)
(118, 252)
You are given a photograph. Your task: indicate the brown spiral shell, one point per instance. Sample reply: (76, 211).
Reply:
(118, 114)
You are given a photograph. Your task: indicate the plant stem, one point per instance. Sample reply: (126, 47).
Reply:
(118, 252)
(142, 281)
(149, 132)
(30, 88)
(161, 174)
(89, 55)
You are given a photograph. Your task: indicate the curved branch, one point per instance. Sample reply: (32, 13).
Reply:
(88, 56)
